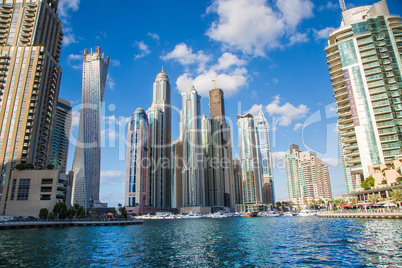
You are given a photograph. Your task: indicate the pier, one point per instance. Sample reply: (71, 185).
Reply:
(361, 214)
(45, 224)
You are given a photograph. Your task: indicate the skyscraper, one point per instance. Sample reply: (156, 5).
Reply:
(176, 171)
(160, 121)
(137, 187)
(364, 58)
(193, 171)
(61, 135)
(87, 157)
(262, 132)
(306, 176)
(251, 171)
(30, 43)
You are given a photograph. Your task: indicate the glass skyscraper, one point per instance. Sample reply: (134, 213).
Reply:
(364, 58)
(87, 157)
(30, 43)
(193, 171)
(262, 132)
(250, 167)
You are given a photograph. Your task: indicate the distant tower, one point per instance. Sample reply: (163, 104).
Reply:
(87, 157)
(137, 190)
(61, 135)
(193, 171)
(262, 132)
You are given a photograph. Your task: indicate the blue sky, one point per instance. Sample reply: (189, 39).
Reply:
(263, 53)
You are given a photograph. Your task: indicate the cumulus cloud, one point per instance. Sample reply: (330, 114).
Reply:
(64, 9)
(255, 109)
(323, 33)
(66, 5)
(287, 112)
(154, 36)
(297, 126)
(144, 50)
(185, 56)
(253, 27)
(328, 6)
(75, 61)
(110, 82)
(227, 60)
(298, 38)
(203, 83)
(115, 62)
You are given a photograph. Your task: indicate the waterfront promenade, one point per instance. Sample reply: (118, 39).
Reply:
(369, 214)
(43, 224)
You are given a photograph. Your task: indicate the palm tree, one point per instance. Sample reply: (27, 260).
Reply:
(396, 195)
(354, 200)
(374, 198)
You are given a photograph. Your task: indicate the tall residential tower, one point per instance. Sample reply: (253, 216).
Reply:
(364, 58)
(30, 43)
(87, 157)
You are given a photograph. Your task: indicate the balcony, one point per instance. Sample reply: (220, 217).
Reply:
(350, 140)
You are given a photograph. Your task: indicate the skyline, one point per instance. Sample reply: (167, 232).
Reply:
(197, 49)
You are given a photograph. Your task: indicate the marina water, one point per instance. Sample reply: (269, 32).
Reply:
(230, 242)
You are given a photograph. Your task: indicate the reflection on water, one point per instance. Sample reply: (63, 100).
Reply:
(235, 242)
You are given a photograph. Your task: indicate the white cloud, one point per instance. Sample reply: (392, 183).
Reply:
(255, 109)
(69, 38)
(254, 94)
(275, 81)
(298, 38)
(113, 198)
(323, 33)
(185, 56)
(143, 48)
(154, 36)
(115, 62)
(286, 112)
(227, 60)
(230, 82)
(75, 61)
(64, 8)
(329, 5)
(110, 82)
(253, 27)
(297, 126)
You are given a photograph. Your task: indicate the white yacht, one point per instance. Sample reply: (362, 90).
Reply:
(218, 215)
(192, 215)
(270, 214)
(307, 213)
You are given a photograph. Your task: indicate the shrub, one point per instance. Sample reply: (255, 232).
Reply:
(20, 167)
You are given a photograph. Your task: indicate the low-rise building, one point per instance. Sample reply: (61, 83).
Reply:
(32, 190)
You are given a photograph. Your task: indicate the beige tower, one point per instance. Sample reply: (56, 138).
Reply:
(30, 44)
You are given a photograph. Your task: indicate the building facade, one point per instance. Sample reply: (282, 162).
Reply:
(87, 156)
(364, 58)
(238, 182)
(137, 185)
(193, 170)
(61, 135)
(30, 43)
(264, 148)
(307, 177)
(251, 171)
(176, 169)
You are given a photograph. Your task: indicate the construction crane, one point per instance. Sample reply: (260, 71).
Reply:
(342, 3)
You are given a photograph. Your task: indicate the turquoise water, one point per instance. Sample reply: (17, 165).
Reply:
(232, 242)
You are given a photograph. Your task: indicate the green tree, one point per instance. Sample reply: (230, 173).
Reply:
(374, 198)
(396, 195)
(50, 166)
(370, 180)
(123, 212)
(365, 185)
(60, 210)
(29, 166)
(20, 166)
(43, 213)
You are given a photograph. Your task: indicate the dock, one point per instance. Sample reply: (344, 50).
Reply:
(363, 214)
(46, 224)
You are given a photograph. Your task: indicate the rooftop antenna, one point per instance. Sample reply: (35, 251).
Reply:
(162, 68)
(214, 79)
(342, 4)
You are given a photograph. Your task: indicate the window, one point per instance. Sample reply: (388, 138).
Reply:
(47, 181)
(13, 189)
(44, 197)
(46, 189)
(23, 189)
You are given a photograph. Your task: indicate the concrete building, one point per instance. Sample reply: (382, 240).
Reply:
(32, 190)
(138, 164)
(61, 135)
(306, 176)
(264, 148)
(177, 169)
(364, 58)
(87, 157)
(193, 170)
(251, 171)
(237, 179)
(30, 43)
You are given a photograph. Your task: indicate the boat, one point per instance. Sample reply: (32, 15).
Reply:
(251, 214)
(170, 217)
(192, 215)
(219, 215)
(288, 214)
(307, 213)
(271, 214)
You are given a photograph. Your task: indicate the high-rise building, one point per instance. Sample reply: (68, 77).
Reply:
(217, 104)
(213, 153)
(30, 43)
(137, 186)
(262, 132)
(237, 180)
(87, 157)
(251, 171)
(61, 135)
(193, 171)
(306, 176)
(364, 58)
(176, 171)
(160, 121)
